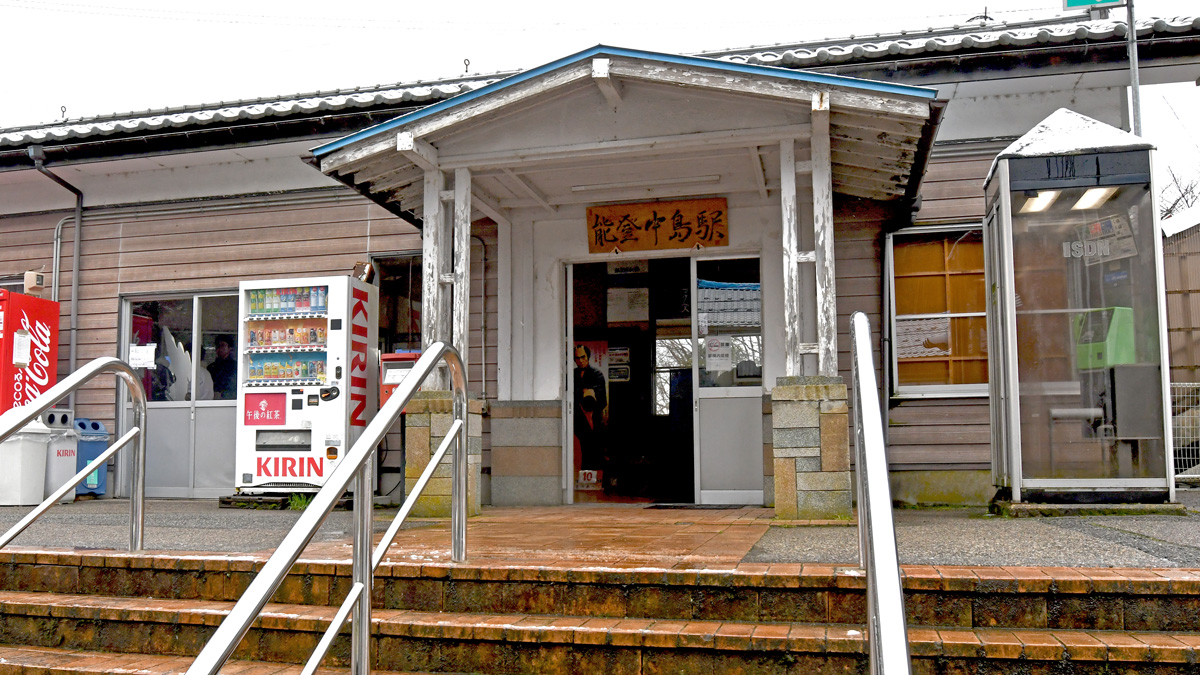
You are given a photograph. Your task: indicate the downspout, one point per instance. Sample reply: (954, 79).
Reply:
(38, 155)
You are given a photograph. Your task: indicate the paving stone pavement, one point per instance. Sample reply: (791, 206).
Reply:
(630, 535)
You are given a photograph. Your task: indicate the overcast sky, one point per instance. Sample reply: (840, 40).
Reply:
(95, 57)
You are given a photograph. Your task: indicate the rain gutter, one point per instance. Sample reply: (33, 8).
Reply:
(38, 155)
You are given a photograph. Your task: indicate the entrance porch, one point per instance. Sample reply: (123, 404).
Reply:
(634, 195)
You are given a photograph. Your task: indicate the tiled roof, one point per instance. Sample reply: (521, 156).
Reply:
(238, 111)
(806, 55)
(953, 40)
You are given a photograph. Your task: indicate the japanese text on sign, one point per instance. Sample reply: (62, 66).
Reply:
(657, 225)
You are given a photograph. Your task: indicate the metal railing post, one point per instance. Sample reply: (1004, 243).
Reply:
(137, 498)
(459, 461)
(362, 572)
(355, 466)
(887, 632)
(15, 419)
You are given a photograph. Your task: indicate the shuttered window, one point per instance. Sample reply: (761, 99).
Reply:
(939, 317)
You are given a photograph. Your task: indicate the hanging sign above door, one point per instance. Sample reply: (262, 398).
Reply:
(653, 226)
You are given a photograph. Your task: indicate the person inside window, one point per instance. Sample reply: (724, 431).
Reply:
(224, 369)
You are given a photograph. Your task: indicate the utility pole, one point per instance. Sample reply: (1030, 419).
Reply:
(1133, 71)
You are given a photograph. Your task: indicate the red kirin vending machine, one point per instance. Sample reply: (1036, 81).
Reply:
(28, 348)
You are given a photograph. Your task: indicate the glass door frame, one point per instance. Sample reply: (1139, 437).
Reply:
(122, 476)
(696, 388)
(568, 407)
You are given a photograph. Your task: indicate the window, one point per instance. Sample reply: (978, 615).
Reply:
(939, 312)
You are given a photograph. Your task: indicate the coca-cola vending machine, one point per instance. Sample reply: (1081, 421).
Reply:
(28, 348)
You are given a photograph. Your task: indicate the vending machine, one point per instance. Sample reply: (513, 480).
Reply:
(307, 379)
(28, 348)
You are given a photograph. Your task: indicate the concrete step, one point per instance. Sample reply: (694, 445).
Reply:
(504, 644)
(950, 597)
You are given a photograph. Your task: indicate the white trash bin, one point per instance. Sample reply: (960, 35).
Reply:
(60, 455)
(23, 456)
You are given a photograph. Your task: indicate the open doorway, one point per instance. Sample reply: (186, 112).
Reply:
(631, 366)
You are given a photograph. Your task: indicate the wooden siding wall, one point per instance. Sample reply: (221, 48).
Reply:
(213, 246)
(1181, 264)
(922, 434)
(944, 433)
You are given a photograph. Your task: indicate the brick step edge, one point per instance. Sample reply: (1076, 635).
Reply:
(1032, 644)
(50, 661)
(943, 578)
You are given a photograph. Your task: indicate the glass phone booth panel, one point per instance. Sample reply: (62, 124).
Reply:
(1086, 307)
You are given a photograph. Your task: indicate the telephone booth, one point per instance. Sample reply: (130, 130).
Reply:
(1077, 317)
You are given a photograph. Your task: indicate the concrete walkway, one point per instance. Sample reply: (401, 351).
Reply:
(632, 535)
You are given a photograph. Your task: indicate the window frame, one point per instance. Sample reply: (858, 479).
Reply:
(915, 391)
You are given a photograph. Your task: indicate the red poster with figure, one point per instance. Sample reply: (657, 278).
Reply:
(28, 348)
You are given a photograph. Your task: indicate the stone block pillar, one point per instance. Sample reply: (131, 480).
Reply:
(427, 418)
(811, 446)
(527, 453)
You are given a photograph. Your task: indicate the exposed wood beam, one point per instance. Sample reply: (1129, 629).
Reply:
(757, 168)
(884, 189)
(417, 151)
(868, 176)
(655, 144)
(891, 125)
(604, 81)
(853, 191)
(371, 171)
(804, 167)
(879, 151)
(402, 175)
(531, 191)
(822, 182)
(879, 138)
(489, 205)
(841, 158)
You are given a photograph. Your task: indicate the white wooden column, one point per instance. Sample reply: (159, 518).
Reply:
(462, 262)
(431, 251)
(435, 279)
(822, 184)
(791, 258)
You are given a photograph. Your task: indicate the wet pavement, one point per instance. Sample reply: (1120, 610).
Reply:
(632, 535)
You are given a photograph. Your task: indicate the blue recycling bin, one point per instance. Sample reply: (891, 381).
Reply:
(93, 440)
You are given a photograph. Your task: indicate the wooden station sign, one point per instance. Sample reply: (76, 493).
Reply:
(654, 226)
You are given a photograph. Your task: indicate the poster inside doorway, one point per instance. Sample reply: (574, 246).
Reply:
(590, 364)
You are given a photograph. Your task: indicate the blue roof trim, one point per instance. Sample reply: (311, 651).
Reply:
(781, 73)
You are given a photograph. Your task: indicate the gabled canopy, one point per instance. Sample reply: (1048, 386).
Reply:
(574, 130)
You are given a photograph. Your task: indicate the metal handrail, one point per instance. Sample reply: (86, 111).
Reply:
(887, 633)
(354, 466)
(15, 419)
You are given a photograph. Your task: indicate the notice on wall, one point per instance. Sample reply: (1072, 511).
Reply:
(629, 267)
(22, 348)
(654, 226)
(618, 355)
(142, 356)
(628, 304)
(1111, 239)
(718, 353)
